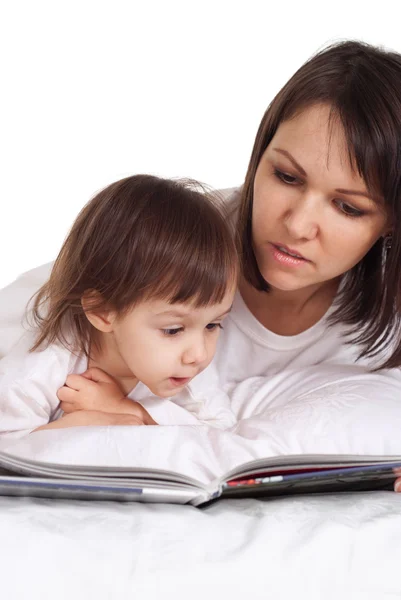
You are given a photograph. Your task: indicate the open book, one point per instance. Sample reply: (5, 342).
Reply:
(293, 474)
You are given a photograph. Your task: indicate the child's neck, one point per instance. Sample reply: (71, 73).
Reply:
(105, 356)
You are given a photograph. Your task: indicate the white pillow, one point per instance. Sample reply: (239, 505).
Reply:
(324, 410)
(13, 301)
(333, 409)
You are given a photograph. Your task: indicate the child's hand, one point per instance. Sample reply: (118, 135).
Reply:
(95, 390)
(92, 390)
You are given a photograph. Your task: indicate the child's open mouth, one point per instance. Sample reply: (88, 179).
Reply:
(179, 381)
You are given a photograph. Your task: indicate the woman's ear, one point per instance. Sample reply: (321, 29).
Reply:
(95, 311)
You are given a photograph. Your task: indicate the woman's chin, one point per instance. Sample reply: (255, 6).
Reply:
(285, 282)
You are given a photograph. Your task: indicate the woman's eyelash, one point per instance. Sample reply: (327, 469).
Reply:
(346, 209)
(285, 177)
(349, 211)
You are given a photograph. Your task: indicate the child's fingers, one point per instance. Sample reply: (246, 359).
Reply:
(77, 382)
(66, 394)
(98, 375)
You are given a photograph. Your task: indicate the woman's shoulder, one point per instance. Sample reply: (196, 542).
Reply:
(230, 198)
(229, 195)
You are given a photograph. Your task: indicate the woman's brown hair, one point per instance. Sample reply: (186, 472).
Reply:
(139, 238)
(362, 85)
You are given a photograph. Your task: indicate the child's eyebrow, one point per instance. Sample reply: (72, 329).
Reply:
(224, 313)
(172, 313)
(182, 313)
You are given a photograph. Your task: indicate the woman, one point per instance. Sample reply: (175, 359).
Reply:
(318, 223)
(318, 220)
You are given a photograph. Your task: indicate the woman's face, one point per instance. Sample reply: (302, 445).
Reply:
(313, 218)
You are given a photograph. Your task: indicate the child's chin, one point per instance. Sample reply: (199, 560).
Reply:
(163, 393)
(166, 393)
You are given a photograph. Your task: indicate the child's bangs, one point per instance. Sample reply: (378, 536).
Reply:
(201, 279)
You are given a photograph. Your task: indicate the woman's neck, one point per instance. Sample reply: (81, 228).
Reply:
(289, 312)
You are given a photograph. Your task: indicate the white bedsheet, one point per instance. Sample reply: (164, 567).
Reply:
(324, 547)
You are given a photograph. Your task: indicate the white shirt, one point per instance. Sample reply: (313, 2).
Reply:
(29, 382)
(247, 349)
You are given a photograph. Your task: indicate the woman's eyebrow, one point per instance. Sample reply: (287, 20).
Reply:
(354, 193)
(292, 159)
(339, 190)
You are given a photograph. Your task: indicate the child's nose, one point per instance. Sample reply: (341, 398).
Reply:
(196, 353)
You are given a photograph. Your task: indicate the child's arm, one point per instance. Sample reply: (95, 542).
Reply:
(28, 393)
(87, 418)
(97, 391)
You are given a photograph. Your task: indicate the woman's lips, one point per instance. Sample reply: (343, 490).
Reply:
(286, 256)
(289, 250)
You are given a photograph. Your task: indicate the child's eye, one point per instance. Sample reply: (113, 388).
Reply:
(285, 177)
(214, 326)
(172, 331)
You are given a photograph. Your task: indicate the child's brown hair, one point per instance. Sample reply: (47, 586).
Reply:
(141, 237)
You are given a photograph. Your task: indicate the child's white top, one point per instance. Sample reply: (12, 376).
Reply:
(29, 382)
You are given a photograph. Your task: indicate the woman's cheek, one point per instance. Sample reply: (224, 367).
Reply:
(270, 200)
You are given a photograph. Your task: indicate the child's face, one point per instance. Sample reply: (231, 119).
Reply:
(166, 345)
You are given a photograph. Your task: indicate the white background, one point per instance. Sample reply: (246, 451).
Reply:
(94, 90)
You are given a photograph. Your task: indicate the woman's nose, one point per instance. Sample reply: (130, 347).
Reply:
(302, 219)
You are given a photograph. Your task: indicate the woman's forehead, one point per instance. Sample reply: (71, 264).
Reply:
(315, 143)
(314, 130)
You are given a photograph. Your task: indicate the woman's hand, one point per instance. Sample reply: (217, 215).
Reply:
(95, 390)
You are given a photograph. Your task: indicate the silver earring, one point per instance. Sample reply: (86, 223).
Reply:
(388, 241)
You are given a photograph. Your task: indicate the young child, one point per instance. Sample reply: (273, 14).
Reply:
(131, 312)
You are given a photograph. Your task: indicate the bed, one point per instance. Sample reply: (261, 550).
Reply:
(314, 546)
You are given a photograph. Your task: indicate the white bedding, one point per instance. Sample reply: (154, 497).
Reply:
(329, 547)
(338, 546)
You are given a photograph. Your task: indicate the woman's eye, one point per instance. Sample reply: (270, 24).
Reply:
(214, 326)
(285, 177)
(348, 210)
(172, 331)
